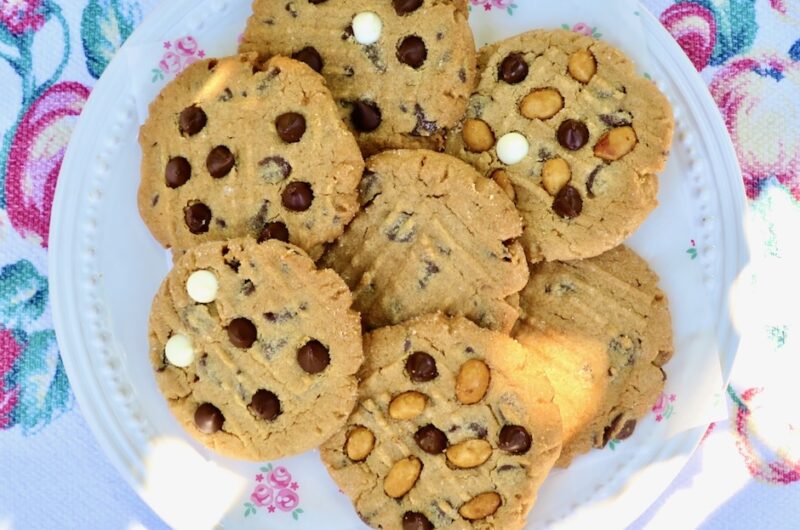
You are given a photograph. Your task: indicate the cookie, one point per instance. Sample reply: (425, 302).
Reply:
(576, 135)
(454, 429)
(400, 70)
(433, 235)
(255, 350)
(601, 330)
(233, 147)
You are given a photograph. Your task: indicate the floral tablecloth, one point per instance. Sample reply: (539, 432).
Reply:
(746, 473)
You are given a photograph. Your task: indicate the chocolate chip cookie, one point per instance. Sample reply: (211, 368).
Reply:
(601, 330)
(234, 147)
(575, 133)
(400, 70)
(255, 350)
(454, 429)
(433, 235)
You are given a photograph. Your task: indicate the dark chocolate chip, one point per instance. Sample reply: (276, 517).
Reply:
(568, 203)
(212, 64)
(608, 432)
(274, 169)
(462, 75)
(208, 418)
(291, 9)
(310, 56)
(431, 440)
(155, 200)
(315, 2)
(573, 134)
(404, 7)
(178, 172)
(298, 196)
(192, 120)
(242, 333)
(221, 223)
(274, 230)
(627, 430)
(479, 430)
(265, 405)
(234, 264)
(248, 287)
(226, 95)
(220, 161)
(197, 217)
(412, 51)
(513, 69)
(349, 71)
(424, 126)
(514, 439)
(366, 116)
(290, 126)
(313, 357)
(416, 521)
(590, 181)
(347, 33)
(421, 367)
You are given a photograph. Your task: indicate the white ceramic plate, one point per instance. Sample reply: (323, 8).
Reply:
(105, 268)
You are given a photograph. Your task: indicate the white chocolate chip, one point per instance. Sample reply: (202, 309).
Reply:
(179, 351)
(367, 27)
(202, 286)
(512, 148)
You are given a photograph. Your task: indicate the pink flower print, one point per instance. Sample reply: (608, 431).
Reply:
(21, 16)
(287, 500)
(294, 486)
(259, 478)
(583, 29)
(754, 95)
(279, 477)
(502, 4)
(271, 509)
(663, 407)
(695, 29)
(187, 45)
(170, 63)
(262, 495)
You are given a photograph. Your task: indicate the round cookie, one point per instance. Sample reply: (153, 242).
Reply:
(601, 330)
(401, 70)
(433, 235)
(255, 350)
(454, 429)
(576, 135)
(233, 147)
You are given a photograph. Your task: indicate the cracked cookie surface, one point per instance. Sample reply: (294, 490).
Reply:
(234, 147)
(433, 235)
(455, 428)
(402, 86)
(575, 133)
(600, 329)
(255, 350)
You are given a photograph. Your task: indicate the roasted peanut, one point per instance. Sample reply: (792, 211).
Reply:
(582, 66)
(359, 444)
(469, 454)
(472, 381)
(407, 406)
(616, 143)
(478, 136)
(480, 506)
(402, 477)
(542, 104)
(555, 175)
(500, 177)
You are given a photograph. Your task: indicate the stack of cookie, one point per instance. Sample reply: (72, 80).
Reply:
(444, 327)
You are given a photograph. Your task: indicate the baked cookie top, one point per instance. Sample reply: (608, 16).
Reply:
(575, 132)
(454, 428)
(600, 329)
(433, 235)
(400, 70)
(233, 147)
(255, 350)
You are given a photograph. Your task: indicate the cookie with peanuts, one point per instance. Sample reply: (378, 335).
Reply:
(574, 134)
(454, 428)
